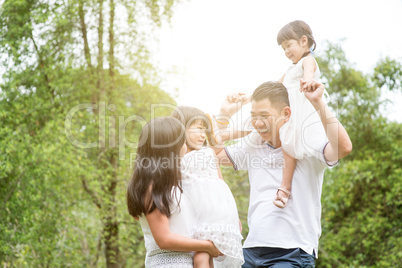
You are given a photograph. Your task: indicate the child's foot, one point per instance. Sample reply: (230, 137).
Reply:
(282, 197)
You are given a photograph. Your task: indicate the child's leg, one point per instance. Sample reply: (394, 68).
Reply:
(211, 262)
(202, 260)
(284, 191)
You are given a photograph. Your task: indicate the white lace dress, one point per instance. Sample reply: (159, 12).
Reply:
(180, 222)
(216, 216)
(303, 133)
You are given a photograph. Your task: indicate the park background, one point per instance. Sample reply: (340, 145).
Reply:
(79, 79)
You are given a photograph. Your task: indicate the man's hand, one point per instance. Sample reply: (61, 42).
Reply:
(313, 90)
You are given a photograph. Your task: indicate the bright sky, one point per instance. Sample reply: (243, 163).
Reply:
(214, 47)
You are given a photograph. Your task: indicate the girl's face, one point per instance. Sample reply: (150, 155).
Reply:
(295, 49)
(195, 136)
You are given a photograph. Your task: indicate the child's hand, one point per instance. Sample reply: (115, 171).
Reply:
(245, 99)
(239, 97)
(233, 103)
(306, 85)
(302, 84)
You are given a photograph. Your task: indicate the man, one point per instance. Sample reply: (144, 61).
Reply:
(282, 237)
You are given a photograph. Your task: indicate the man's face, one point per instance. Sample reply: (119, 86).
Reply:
(267, 120)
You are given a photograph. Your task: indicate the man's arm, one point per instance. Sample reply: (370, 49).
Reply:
(339, 144)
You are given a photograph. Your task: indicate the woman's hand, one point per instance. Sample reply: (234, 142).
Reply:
(165, 239)
(213, 250)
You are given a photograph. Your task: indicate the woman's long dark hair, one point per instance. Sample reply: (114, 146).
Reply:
(156, 174)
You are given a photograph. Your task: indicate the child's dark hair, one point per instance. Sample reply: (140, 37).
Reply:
(157, 167)
(295, 30)
(189, 115)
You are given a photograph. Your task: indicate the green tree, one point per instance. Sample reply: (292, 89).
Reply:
(63, 199)
(362, 197)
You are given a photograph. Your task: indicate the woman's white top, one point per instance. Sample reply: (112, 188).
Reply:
(215, 211)
(180, 222)
(301, 136)
(206, 211)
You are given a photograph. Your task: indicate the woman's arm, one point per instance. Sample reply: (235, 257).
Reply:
(159, 225)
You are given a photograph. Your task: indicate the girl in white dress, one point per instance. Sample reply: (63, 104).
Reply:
(215, 210)
(155, 196)
(303, 133)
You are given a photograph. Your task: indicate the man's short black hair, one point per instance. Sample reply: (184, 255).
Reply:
(275, 92)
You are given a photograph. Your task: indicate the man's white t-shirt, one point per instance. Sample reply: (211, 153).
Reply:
(298, 224)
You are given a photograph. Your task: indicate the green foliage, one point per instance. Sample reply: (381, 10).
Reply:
(240, 187)
(62, 204)
(388, 73)
(362, 213)
(362, 197)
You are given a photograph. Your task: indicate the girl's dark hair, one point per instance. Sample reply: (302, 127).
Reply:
(295, 30)
(156, 173)
(189, 115)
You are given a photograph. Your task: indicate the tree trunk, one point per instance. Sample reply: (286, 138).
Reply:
(100, 82)
(111, 226)
(111, 45)
(111, 236)
(84, 34)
